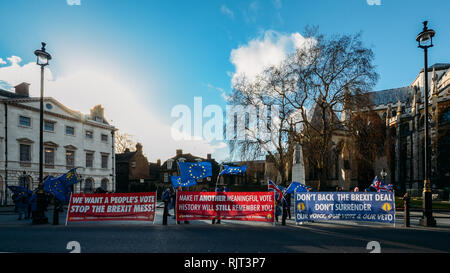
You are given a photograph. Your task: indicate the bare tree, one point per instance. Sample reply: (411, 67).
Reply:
(123, 141)
(312, 87)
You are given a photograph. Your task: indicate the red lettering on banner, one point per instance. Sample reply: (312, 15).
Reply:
(244, 206)
(112, 206)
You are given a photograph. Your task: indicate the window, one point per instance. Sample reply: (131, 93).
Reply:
(25, 153)
(49, 126)
(89, 160)
(70, 159)
(105, 161)
(89, 135)
(166, 177)
(88, 185)
(104, 138)
(25, 121)
(70, 130)
(49, 157)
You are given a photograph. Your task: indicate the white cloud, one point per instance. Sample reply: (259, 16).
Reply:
(2, 61)
(225, 10)
(83, 89)
(14, 60)
(260, 53)
(73, 2)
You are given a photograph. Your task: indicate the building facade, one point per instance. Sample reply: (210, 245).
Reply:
(132, 169)
(71, 139)
(403, 111)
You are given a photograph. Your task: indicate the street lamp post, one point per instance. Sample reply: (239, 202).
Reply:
(425, 40)
(39, 218)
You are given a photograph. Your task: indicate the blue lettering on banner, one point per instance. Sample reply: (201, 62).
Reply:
(351, 206)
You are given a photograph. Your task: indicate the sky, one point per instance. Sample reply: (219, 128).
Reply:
(141, 58)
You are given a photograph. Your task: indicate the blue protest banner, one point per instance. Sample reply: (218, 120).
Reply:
(351, 206)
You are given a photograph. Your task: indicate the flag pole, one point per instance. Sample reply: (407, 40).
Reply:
(218, 176)
(68, 208)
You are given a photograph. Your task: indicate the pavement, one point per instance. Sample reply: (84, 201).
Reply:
(228, 237)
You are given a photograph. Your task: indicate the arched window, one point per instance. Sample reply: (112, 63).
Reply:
(104, 184)
(88, 185)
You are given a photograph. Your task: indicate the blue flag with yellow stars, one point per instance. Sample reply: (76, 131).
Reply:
(69, 178)
(233, 170)
(194, 170)
(296, 187)
(57, 188)
(176, 182)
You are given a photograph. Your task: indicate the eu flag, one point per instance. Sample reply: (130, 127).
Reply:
(56, 187)
(233, 170)
(194, 171)
(69, 178)
(296, 187)
(19, 190)
(176, 182)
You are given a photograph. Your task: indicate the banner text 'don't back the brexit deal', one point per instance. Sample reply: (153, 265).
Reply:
(351, 206)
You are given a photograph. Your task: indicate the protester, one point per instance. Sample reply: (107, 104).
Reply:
(173, 200)
(218, 219)
(14, 198)
(287, 197)
(28, 214)
(22, 203)
(166, 200)
(356, 189)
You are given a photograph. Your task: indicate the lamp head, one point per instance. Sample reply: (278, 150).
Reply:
(425, 38)
(42, 56)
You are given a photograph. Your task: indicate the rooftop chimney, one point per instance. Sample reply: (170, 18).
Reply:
(139, 148)
(179, 152)
(158, 162)
(23, 89)
(208, 156)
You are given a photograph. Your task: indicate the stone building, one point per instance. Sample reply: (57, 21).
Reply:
(132, 167)
(71, 139)
(403, 110)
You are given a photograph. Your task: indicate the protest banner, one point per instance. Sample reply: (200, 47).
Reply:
(112, 207)
(351, 206)
(243, 206)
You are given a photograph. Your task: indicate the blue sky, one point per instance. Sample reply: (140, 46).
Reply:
(166, 52)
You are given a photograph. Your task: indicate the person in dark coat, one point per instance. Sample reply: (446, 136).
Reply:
(287, 197)
(22, 204)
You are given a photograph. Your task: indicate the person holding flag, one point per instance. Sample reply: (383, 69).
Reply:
(61, 189)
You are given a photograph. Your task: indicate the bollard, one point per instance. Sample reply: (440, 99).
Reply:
(406, 209)
(166, 212)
